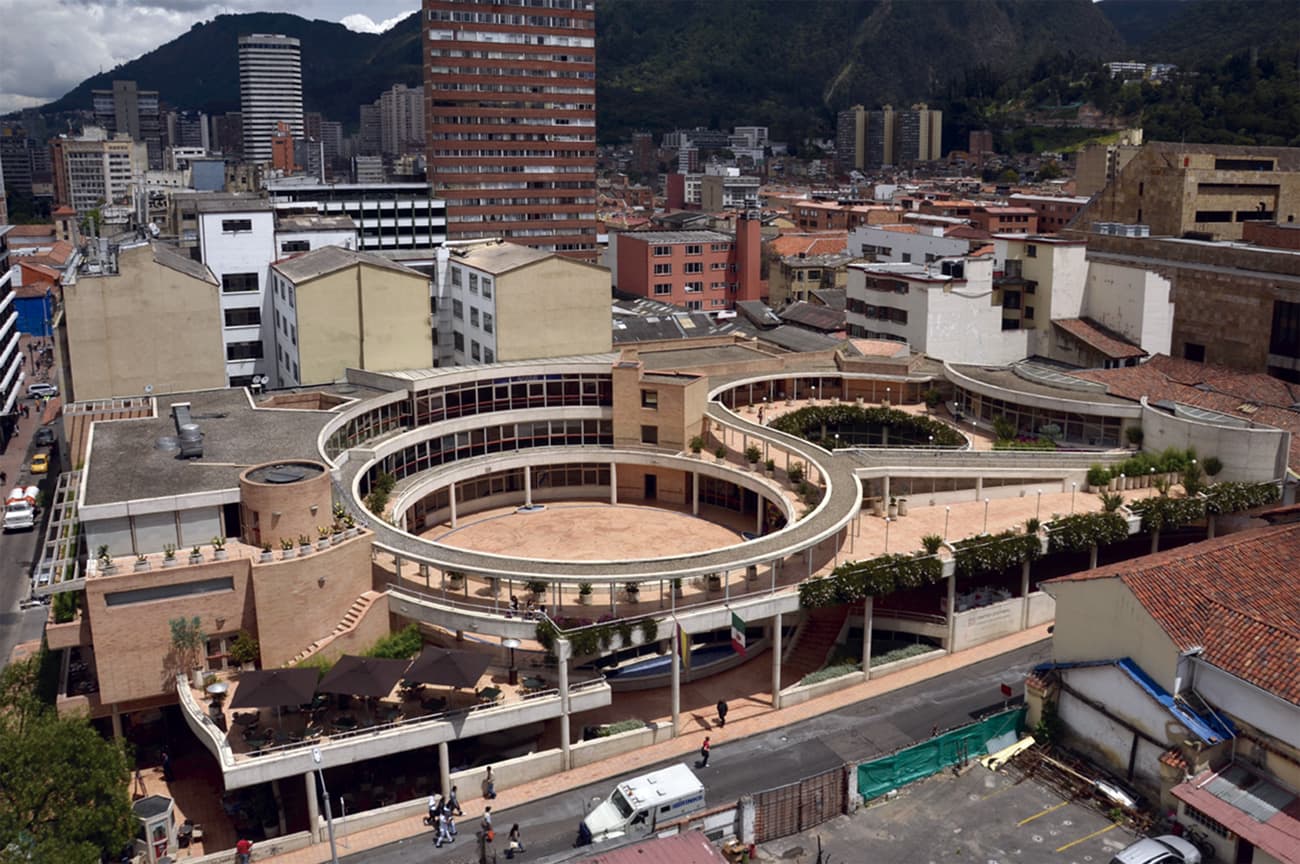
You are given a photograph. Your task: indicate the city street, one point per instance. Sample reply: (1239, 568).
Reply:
(781, 756)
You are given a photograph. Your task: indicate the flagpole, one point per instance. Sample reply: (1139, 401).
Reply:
(677, 675)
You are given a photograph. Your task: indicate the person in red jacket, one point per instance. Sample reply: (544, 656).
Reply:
(243, 851)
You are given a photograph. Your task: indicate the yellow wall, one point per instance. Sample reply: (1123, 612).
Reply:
(553, 308)
(109, 320)
(1100, 619)
(363, 317)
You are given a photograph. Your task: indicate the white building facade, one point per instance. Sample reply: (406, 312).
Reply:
(237, 242)
(387, 215)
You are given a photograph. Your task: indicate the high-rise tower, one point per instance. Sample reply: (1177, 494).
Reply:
(511, 119)
(270, 90)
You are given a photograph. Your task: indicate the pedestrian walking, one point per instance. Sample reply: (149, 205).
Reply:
(722, 713)
(435, 807)
(243, 851)
(489, 785)
(486, 825)
(704, 753)
(168, 776)
(513, 844)
(453, 799)
(451, 820)
(760, 416)
(444, 831)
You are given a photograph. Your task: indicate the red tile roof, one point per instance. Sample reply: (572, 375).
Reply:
(1235, 596)
(1279, 835)
(809, 244)
(1173, 757)
(1246, 396)
(1099, 338)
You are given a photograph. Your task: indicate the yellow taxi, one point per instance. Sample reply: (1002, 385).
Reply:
(40, 463)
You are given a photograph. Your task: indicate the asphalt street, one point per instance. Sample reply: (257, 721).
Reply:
(17, 553)
(853, 733)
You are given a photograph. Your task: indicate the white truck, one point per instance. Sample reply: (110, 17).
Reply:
(643, 804)
(20, 509)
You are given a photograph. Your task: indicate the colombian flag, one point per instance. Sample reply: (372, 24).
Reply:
(683, 647)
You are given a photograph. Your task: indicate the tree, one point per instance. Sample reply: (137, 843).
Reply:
(63, 788)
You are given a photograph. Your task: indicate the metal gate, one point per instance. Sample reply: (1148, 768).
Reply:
(799, 806)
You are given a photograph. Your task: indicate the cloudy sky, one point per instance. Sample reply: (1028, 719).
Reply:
(47, 47)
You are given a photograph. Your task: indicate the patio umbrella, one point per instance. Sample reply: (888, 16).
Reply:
(273, 688)
(363, 676)
(448, 667)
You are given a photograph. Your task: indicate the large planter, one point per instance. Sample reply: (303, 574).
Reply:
(902, 506)
(169, 562)
(196, 559)
(304, 551)
(196, 679)
(583, 599)
(141, 566)
(322, 544)
(714, 582)
(267, 557)
(286, 554)
(219, 554)
(336, 539)
(892, 511)
(753, 466)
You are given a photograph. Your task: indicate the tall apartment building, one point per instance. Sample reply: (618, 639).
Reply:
(851, 139)
(93, 172)
(401, 120)
(16, 151)
(870, 139)
(4, 206)
(128, 110)
(270, 90)
(370, 137)
(387, 215)
(188, 129)
(228, 133)
(512, 119)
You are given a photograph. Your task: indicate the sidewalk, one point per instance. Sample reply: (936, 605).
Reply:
(13, 461)
(687, 744)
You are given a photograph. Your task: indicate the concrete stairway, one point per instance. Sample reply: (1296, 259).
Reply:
(813, 643)
(349, 621)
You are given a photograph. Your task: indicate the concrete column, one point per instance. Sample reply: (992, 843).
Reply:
(675, 664)
(528, 486)
(979, 488)
(117, 721)
(776, 662)
(758, 517)
(397, 568)
(952, 610)
(867, 608)
(1210, 526)
(726, 585)
(451, 497)
(1092, 558)
(613, 483)
(444, 769)
(279, 806)
(695, 493)
(313, 807)
(562, 654)
(1155, 542)
(885, 490)
(1024, 594)
(773, 566)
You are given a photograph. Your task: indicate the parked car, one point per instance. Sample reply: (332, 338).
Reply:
(1165, 849)
(40, 463)
(37, 390)
(44, 437)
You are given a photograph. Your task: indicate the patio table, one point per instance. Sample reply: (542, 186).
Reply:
(489, 694)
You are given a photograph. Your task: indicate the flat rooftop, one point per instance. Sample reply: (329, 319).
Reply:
(1070, 388)
(688, 358)
(125, 462)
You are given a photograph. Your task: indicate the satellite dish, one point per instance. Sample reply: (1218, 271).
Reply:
(148, 388)
(261, 379)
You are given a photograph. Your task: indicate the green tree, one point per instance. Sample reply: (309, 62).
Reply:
(63, 787)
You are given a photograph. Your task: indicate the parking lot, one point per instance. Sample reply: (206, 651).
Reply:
(981, 817)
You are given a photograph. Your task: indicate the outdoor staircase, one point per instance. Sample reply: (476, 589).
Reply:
(349, 622)
(812, 642)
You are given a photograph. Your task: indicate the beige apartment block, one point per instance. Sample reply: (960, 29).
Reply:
(335, 309)
(152, 320)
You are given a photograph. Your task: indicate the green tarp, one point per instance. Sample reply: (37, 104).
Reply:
(919, 761)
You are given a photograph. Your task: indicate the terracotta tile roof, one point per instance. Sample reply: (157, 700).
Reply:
(966, 232)
(1234, 596)
(899, 229)
(1247, 396)
(1173, 757)
(21, 232)
(1099, 338)
(809, 244)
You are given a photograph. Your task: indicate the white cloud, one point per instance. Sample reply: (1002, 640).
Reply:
(361, 23)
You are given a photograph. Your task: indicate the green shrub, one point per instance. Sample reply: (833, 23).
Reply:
(795, 472)
(1235, 497)
(245, 649)
(996, 553)
(696, 444)
(402, 645)
(65, 606)
(896, 654)
(753, 453)
(1098, 475)
(1081, 531)
(854, 581)
(1134, 434)
(821, 423)
(1003, 428)
(830, 672)
(931, 543)
(620, 727)
(1213, 465)
(1159, 514)
(1111, 501)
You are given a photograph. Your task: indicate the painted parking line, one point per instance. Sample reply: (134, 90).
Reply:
(1111, 827)
(1052, 809)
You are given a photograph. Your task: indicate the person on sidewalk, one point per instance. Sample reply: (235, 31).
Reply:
(444, 832)
(513, 844)
(722, 713)
(243, 851)
(489, 785)
(486, 825)
(435, 807)
(704, 754)
(453, 799)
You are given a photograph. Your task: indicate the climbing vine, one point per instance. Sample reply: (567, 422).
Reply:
(1082, 531)
(996, 553)
(1159, 514)
(1235, 497)
(857, 580)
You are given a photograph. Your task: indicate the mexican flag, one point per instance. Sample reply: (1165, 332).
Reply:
(737, 634)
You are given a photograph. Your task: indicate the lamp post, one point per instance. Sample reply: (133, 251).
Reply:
(887, 521)
(947, 511)
(1151, 484)
(512, 643)
(329, 815)
(931, 442)
(1074, 487)
(837, 440)
(887, 400)
(1038, 509)
(1121, 481)
(986, 515)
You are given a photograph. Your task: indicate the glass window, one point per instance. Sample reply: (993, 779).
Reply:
(247, 317)
(458, 310)
(473, 283)
(663, 269)
(473, 316)
(233, 283)
(649, 398)
(230, 226)
(487, 287)
(487, 322)
(295, 246)
(663, 288)
(475, 351)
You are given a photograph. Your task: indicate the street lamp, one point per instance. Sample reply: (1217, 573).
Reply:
(837, 440)
(329, 816)
(1038, 510)
(1152, 484)
(887, 402)
(1074, 487)
(947, 511)
(931, 442)
(512, 643)
(986, 515)
(887, 521)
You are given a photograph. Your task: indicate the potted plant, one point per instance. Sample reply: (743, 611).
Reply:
(892, 512)
(169, 555)
(218, 548)
(902, 506)
(304, 544)
(877, 506)
(350, 528)
(537, 588)
(188, 641)
(141, 563)
(932, 543)
(1134, 435)
(286, 548)
(714, 582)
(720, 453)
(196, 555)
(1098, 477)
(696, 444)
(245, 650)
(336, 532)
(266, 554)
(795, 473)
(322, 537)
(1213, 465)
(584, 593)
(105, 560)
(677, 586)
(633, 592)
(770, 467)
(455, 579)
(752, 455)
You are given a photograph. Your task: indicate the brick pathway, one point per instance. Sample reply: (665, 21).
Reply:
(739, 727)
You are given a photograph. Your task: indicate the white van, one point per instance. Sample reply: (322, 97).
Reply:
(20, 509)
(642, 804)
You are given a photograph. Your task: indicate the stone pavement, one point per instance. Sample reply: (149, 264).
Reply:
(687, 743)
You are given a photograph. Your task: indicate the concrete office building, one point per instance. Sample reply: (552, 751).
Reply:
(270, 90)
(127, 110)
(513, 302)
(93, 172)
(512, 130)
(401, 120)
(387, 215)
(147, 294)
(335, 309)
